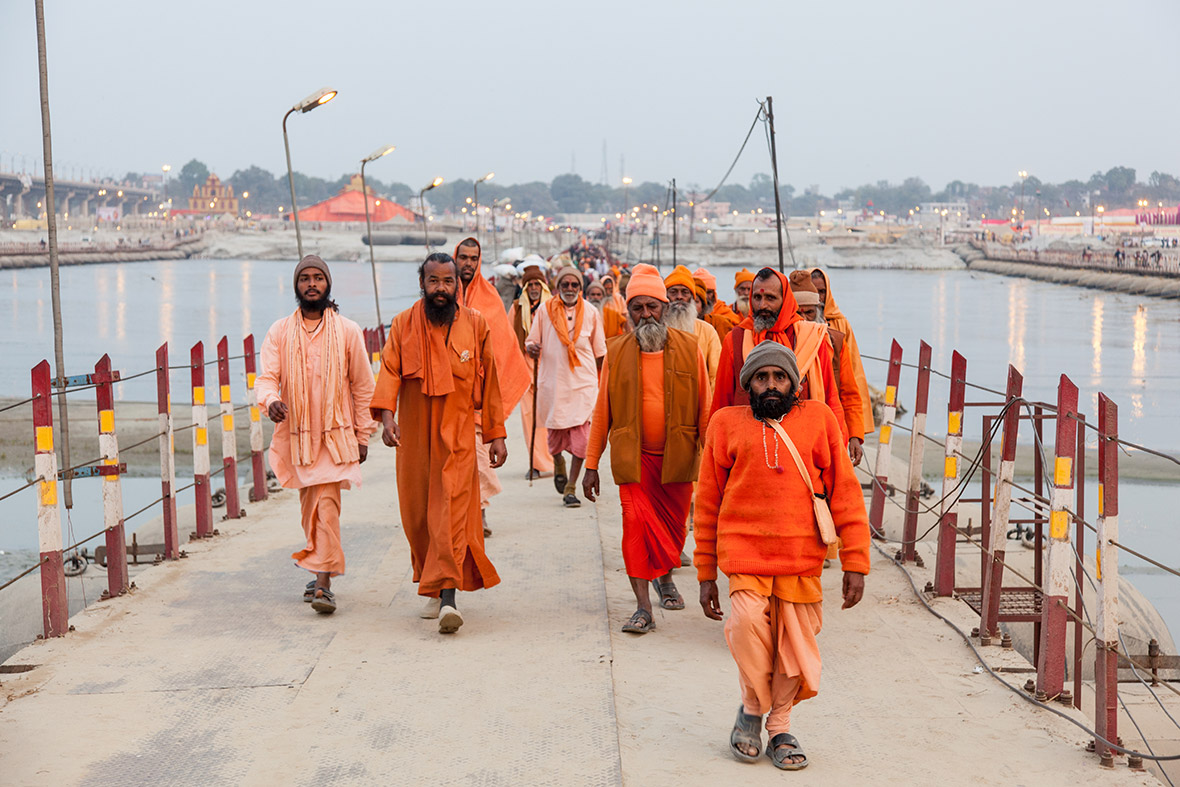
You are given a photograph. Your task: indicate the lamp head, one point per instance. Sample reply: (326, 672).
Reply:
(318, 98)
(486, 177)
(385, 150)
(433, 184)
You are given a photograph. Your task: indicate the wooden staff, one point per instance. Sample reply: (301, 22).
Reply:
(533, 437)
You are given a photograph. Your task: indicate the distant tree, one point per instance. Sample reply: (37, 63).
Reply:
(191, 174)
(571, 193)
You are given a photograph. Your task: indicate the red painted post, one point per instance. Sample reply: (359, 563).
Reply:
(112, 490)
(55, 609)
(258, 491)
(167, 454)
(1051, 664)
(909, 547)
(884, 449)
(204, 498)
(1106, 665)
(993, 578)
(229, 443)
(944, 569)
(374, 348)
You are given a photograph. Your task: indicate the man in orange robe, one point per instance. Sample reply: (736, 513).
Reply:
(315, 385)
(438, 367)
(743, 281)
(534, 292)
(836, 319)
(681, 314)
(478, 293)
(755, 521)
(774, 316)
(653, 406)
(716, 313)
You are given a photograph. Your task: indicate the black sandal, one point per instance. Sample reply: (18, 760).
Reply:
(640, 623)
(309, 591)
(324, 601)
(670, 597)
(782, 759)
(746, 730)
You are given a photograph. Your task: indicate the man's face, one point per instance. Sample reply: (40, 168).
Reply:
(609, 286)
(711, 299)
(820, 284)
(645, 307)
(679, 293)
(468, 260)
(743, 289)
(770, 379)
(439, 283)
(809, 313)
(766, 298)
(533, 290)
(312, 286)
(596, 296)
(568, 288)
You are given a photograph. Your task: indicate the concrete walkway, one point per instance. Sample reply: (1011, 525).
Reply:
(214, 672)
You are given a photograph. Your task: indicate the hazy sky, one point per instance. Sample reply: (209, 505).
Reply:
(864, 90)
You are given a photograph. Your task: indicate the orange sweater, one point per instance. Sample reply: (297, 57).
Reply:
(750, 519)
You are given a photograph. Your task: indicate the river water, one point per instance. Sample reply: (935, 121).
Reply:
(1126, 346)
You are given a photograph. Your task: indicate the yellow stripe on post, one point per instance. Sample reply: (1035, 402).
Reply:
(255, 415)
(225, 393)
(954, 422)
(199, 395)
(891, 395)
(227, 423)
(106, 421)
(1059, 525)
(250, 380)
(1101, 500)
(1063, 471)
(1098, 562)
(202, 436)
(886, 432)
(44, 437)
(49, 493)
(951, 467)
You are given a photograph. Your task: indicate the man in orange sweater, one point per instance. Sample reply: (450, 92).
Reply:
(653, 404)
(755, 521)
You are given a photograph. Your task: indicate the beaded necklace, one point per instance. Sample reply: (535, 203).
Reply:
(776, 467)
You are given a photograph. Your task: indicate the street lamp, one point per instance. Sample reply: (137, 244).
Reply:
(1101, 210)
(316, 99)
(422, 209)
(1023, 176)
(376, 154)
(475, 198)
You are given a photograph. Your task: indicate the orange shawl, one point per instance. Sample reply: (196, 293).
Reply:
(424, 354)
(334, 372)
(556, 307)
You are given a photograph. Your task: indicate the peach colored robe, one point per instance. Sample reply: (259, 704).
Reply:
(565, 396)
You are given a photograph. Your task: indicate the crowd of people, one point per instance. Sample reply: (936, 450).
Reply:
(744, 420)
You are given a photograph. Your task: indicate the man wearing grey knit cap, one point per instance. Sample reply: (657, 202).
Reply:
(755, 521)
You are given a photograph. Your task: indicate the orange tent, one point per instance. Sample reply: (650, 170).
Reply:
(349, 205)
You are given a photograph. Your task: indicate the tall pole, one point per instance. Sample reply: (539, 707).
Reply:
(422, 210)
(291, 183)
(778, 209)
(372, 259)
(55, 283)
(673, 222)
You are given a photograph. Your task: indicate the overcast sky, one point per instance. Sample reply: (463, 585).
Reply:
(864, 90)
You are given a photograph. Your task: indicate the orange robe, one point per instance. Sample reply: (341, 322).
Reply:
(437, 482)
(722, 318)
(542, 460)
(614, 322)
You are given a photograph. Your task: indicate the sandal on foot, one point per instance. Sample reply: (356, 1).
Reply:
(747, 730)
(430, 611)
(309, 591)
(559, 481)
(640, 623)
(781, 757)
(324, 601)
(670, 597)
(449, 620)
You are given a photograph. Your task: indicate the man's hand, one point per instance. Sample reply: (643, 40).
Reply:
(709, 600)
(856, 450)
(534, 350)
(277, 412)
(590, 485)
(391, 435)
(498, 452)
(364, 452)
(854, 589)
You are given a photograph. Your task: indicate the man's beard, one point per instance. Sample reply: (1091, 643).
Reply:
(440, 314)
(318, 306)
(819, 316)
(707, 307)
(651, 334)
(679, 315)
(597, 304)
(742, 306)
(772, 405)
(569, 298)
(764, 320)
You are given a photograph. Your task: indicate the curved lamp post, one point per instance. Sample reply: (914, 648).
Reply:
(316, 99)
(422, 207)
(475, 198)
(376, 154)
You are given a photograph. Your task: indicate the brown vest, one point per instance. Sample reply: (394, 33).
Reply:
(682, 436)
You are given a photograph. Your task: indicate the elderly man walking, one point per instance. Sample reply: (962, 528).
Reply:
(533, 293)
(438, 367)
(682, 315)
(762, 469)
(653, 407)
(315, 384)
(568, 341)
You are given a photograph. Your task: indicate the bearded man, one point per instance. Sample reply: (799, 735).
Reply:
(652, 407)
(315, 385)
(743, 281)
(533, 294)
(438, 367)
(682, 315)
(755, 521)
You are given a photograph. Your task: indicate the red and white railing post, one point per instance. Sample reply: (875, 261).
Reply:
(258, 490)
(55, 607)
(909, 546)
(884, 449)
(229, 443)
(203, 495)
(167, 454)
(997, 547)
(944, 569)
(112, 489)
(1051, 665)
(1106, 666)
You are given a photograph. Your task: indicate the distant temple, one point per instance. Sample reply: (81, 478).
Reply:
(213, 197)
(349, 205)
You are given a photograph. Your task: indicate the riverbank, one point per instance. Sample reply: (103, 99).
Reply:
(1129, 283)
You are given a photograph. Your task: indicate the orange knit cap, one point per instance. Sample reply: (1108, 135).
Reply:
(645, 280)
(708, 279)
(680, 275)
(743, 276)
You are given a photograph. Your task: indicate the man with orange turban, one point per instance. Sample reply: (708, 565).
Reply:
(716, 313)
(652, 406)
(743, 280)
(774, 316)
(836, 319)
(681, 314)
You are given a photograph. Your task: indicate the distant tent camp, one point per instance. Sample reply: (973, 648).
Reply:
(349, 205)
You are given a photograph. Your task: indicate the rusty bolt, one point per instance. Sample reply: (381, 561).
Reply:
(1030, 686)
(71, 628)
(183, 554)
(1041, 696)
(919, 562)
(898, 557)
(1090, 746)
(1065, 697)
(929, 587)
(133, 587)
(106, 595)
(1006, 641)
(242, 512)
(216, 532)
(985, 639)
(1135, 763)
(1107, 759)
(975, 631)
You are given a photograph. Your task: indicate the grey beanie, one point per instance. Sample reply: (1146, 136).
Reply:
(770, 353)
(312, 261)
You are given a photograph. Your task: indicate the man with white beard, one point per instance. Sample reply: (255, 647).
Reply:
(743, 284)
(596, 295)
(681, 314)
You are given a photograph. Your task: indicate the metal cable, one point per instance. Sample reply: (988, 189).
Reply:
(145, 508)
(728, 172)
(9, 494)
(14, 405)
(26, 572)
(144, 441)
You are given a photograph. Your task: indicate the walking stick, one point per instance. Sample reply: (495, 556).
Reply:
(533, 437)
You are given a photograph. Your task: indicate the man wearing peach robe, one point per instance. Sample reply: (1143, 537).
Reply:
(438, 367)
(315, 384)
(515, 377)
(534, 292)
